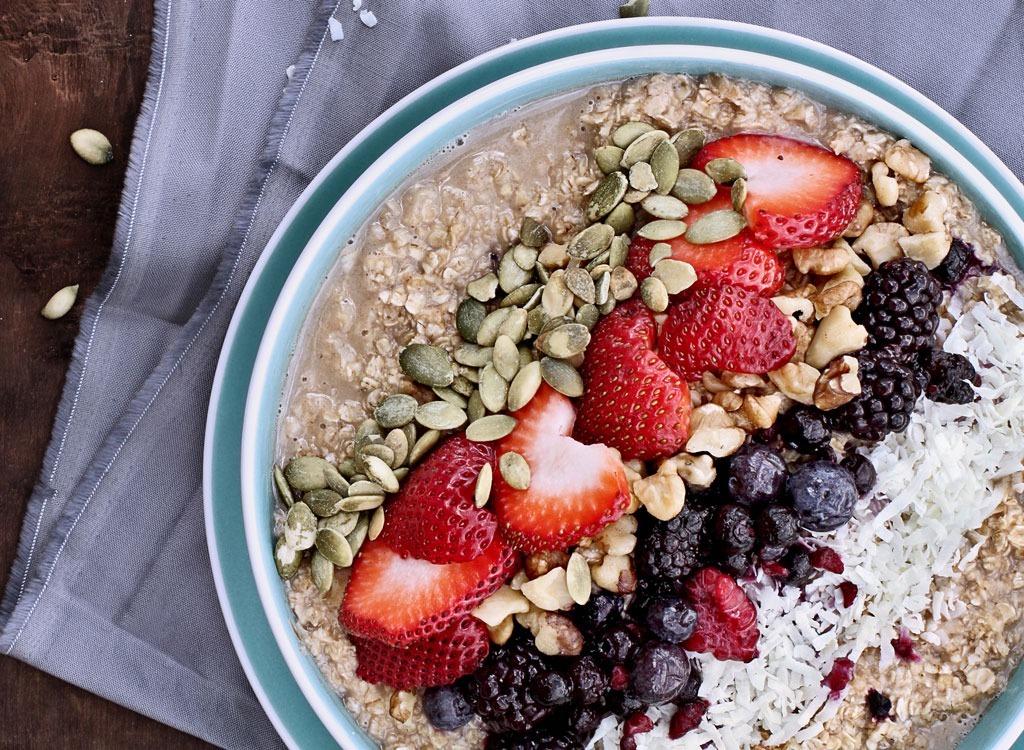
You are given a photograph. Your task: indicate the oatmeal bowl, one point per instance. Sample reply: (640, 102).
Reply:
(663, 395)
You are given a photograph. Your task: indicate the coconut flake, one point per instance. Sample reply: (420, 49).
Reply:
(368, 18)
(337, 32)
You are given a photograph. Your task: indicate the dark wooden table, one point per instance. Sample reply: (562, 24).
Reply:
(64, 65)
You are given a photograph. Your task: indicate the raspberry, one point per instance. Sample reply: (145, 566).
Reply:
(826, 558)
(687, 717)
(726, 618)
(849, 593)
(838, 678)
(900, 307)
(888, 393)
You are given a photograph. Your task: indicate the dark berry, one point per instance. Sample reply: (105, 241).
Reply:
(624, 702)
(660, 672)
(797, 562)
(956, 264)
(673, 549)
(543, 738)
(446, 707)
(733, 529)
(585, 719)
(501, 692)
(804, 428)
(879, 705)
(838, 677)
(757, 474)
(616, 644)
(671, 619)
(619, 678)
(900, 307)
(823, 495)
(589, 682)
(889, 391)
(864, 475)
(551, 688)
(690, 690)
(635, 723)
(736, 563)
(687, 718)
(776, 527)
(602, 607)
(947, 377)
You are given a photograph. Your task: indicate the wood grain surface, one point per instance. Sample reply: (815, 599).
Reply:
(64, 65)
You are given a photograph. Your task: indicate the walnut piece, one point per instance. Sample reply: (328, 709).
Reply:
(823, 261)
(837, 334)
(796, 380)
(549, 592)
(696, 471)
(500, 605)
(931, 248)
(927, 214)
(887, 188)
(865, 215)
(839, 383)
(846, 293)
(662, 494)
(762, 411)
(879, 242)
(907, 161)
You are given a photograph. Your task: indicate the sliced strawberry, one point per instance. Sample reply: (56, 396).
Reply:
(798, 193)
(438, 659)
(726, 618)
(631, 400)
(433, 517)
(742, 261)
(575, 489)
(725, 328)
(400, 599)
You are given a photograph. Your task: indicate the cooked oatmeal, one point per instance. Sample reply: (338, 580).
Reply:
(404, 275)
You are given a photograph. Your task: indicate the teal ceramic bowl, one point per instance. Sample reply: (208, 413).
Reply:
(248, 390)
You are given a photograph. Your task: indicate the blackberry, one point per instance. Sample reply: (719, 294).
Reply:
(603, 607)
(501, 692)
(585, 719)
(756, 474)
(956, 264)
(776, 527)
(888, 393)
(946, 377)
(864, 474)
(736, 563)
(733, 529)
(900, 307)
(797, 562)
(589, 682)
(446, 706)
(551, 688)
(545, 738)
(878, 704)
(674, 549)
(804, 428)
(823, 494)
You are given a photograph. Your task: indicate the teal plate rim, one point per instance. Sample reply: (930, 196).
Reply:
(261, 659)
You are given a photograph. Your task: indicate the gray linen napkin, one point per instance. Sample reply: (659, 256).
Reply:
(112, 589)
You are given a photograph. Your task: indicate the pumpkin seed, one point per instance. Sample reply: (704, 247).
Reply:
(621, 218)
(607, 196)
(426, 364)
(580, 284)
(357, 503)
(654, 294)
(534, 299)
(739, 194)
(635, 196)
(476, 409)
(335, 480)
(380, 450)
(451, 396)
(380, 471)
(525, 355)
(490, 428)
(489, 328)
(602, 288)
(376, 524)
(591, 242)
(618, 252)
(676, 275)
(553, 323)
(342, 522)
(542, 273)
(514, 325)
(334, 547)
(524, 385)
(537, 319)
(366, 487)
(662, 229)
(532, 233)
(605, 308)
(634, 9)
(422, 445)
(608, 158)
(624, 135)
(660, 251)
(694, 187)
(396, 410)
(622, 283)
(440, 415)
(348, 467)
(525, 257)
(553, 255)
(468, 317)
(283, 490)
(463, 385)
(92, 146)
(519, 296)
(398, 442)
(724, 170)
(484, 288)
(482, 487)
(401, 473)
(300, 527)
(506, 358)
(715, 227)
(287, 559)
(557, 299)
(688, 142)
(410, 434)
(306, 473)
(357, 536)
(321, 570)
(511, 275)
(665, 166)
(642, 148)
(323, 502)
(641, 177)
(471, 355)
(493, 389)
(60, 303)
(368, 432)
(577, 578)
(562, 377)
(600, 262)
(664, 207)
(514, 470)
(588, 315)
(564, 341)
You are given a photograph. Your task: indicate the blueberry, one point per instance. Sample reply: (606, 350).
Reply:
(863, 471)
(878, 704)
(736, 563)
(757, 474)
(797, 562)
(693, 684)
(805, 429)
(671, 619)
(446, 707)
(733, 528)
(603, 607)
(616, 644)
(776, 527)
(660, 672)
(585, 719)
(589, 683)
(551, 688)
(823, 495)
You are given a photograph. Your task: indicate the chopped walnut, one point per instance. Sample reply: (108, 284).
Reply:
(879, 242)
(823, 261)
(931, 248)
(718, 441)
(837, 334)
(838, 384)
(796, 380)
(615, 574)
(662, 494)
(696, 471)
(927, 214)
(539, 563)
(846, 293)
(762, 411)
(907, 161)
(887, 188)
(549, 592)
(865, 215)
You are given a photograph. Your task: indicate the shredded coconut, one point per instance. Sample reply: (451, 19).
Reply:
(368, 18)
(337, 32)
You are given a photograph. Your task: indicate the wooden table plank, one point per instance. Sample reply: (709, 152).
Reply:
(63, 65)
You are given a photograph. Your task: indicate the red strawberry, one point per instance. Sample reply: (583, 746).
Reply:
(438, 659)
(433, 516)
(741, 261)
(725, 328)
(726, 618)
(575, 489)
(798, 193)
(400, 599)
(631, 401)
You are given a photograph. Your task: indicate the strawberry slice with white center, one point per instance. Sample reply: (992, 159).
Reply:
(798, 193)
(399, 599)
(575, 489)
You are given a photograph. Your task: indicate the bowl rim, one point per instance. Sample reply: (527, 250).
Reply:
(252, 484)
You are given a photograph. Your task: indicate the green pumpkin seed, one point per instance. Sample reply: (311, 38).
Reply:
(715, 227)
(590, 242)
(92, 146)
(472, 355)
(634, 9)
(520, 297)
(514, 325)
(564, 341)
(423, 445)
(506, 358)
(334, 547)
(724, 171)
(542, 273)
(557, 299)
(300, 527)
(380, 450)
(537, 319)
(463, 386)
(688, 142)
(588, 315)
(525, 257)
(306, 473)
(602, 288)
(482, 486)
(368, 432)
(598, 265)
(323, 502)
(618, 252)
(525, 355)
(287, 559)
(642, 148)
(694, 187)
(283, 490)
(524, 385)
(621, 218)
(410, 433)
(577, 578)
(348, 467)
(451, 396)
(579, 282)
(641, 177)
(491, 326)
(476, 409)
(321, 570)
(660, 251)
(468, 317)
(532, 233)
(662, 229)
(376, 524)
(665, 166)
(401, 473)
(514, 470)
(358, 503)
(490, 428)
(554, 323)
(342, 522)
(395, 411)
(562, 377)
(676, 275)
(608, 158)
(624, 135)
(440, 415)
(366, 487)
(357, 536)
(484, 288)
(604, 308)
(381, 472)
(635, 196)
(622, 283)
(335, 480)
(654, 294)
(493, 388)
(398, 442)
(510, 275)
(607, 196)
(426, 364)
(664, 207)
(739, 194)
